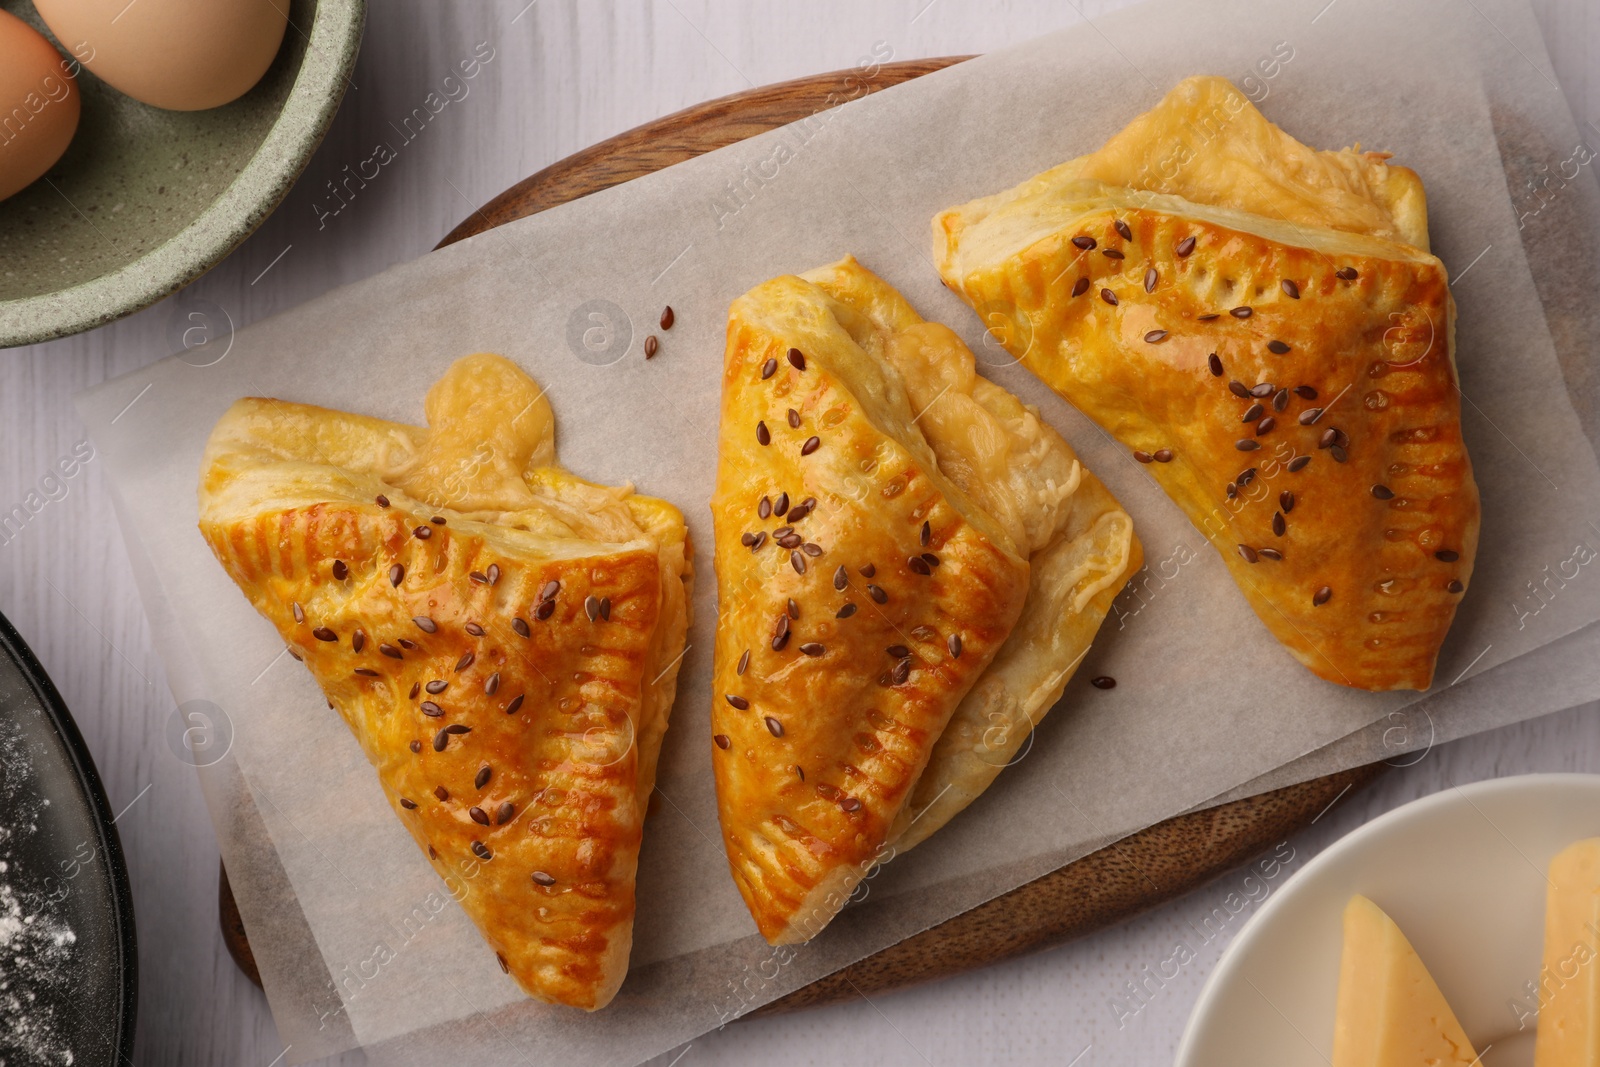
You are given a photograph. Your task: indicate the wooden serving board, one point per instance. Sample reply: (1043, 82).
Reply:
(1101, 889)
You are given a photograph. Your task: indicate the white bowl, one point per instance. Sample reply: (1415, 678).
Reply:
(1463, 874)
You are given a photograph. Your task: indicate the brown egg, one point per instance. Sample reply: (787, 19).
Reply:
(184, 55)
(38, 104)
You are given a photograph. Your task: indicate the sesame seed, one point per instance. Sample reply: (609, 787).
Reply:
(1246, 476)
(927, 534)
(422, 533)
(1142, 456)
(1454, 586)
(763, 435)
(1084, 243)
(605, 608)
(409, 646)
(1241, 312)
(383, 501)
(846, 611)
(441, 792)
(1321, 597)
(1122, 230)
(794, 419)
(774, 727)
(1291, 289)
(516, 704)
(543, 610)
(1347, 273)
(465, 661)
(504, 812)
(484, 774)
(667, 317)
(760, 539)
(1155, 337)
(768, 369)
(1262, 390)
(1252, 413)
(780, 633)
(390, 651)
(322, 633)
(723, 742)
(437, 520)
(1111, 253)
(953, 643)
(850, 804)
(437, 686)
(341, 570)
(1080, 287)
(432, 710)
(1298, 464)
(1383, 492)
(1270, 553)
(367, 672)
(1163, 455)
(1305, 392)
(737, 701)
(877, 594)
(902, 671)
(494, 574)
(651, 346)
(1280, 400)
(409, 805)
(474, 629)
(1247, 553)
(1446, 555)
(397, 574)
(1109, 297)
(481, 850)
(1246, 444)
(1105, 681)
(919, 565)
(1277, 347)
(440, 739)
(1185, 246)
(591, 607)
(812, 648)
(1309, 416)
(744, 662)
(493, 684)
(1278, 523)
(1239, 389)
(796, 359)
(298, 612)
(1265, 425)
(868, 571)
(1286, 501)
(358, 641)
(811, 445)
(543, 879)
(1151, 277)
(1338, 453)
(797, 560)
(1216, 365)
(425, 624)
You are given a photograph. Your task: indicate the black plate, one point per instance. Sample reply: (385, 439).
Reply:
(67, 961)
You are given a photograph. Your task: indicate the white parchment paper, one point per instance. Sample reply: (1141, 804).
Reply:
(358, 940)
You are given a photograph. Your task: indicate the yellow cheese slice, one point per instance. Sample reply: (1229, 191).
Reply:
(1569, 982)
(1391, 1013)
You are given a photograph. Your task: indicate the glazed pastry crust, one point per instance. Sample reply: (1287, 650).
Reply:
(1391, 533)
(860, 735)
(567, 719)
(1079, 542)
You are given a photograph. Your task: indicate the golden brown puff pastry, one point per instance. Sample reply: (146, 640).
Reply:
(1295, 386)
(501, 636)
(1206, 142)
(851, 632)
(1080, 544)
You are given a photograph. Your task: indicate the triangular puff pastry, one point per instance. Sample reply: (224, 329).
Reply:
(501, 636)
(910, 565)
(1291, 384)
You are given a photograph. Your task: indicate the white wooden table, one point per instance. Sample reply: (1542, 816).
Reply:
(565, 75)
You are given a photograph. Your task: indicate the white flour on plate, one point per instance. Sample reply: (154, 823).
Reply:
(35, 945)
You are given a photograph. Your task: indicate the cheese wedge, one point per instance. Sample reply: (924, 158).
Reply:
(1390, 1011)
(1569, 982)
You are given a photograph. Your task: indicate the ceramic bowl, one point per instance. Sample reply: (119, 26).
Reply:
(145, 200)
(1463, 874)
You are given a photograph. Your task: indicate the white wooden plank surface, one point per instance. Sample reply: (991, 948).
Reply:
(563, 76)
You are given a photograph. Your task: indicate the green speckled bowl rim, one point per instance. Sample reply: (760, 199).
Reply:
(330, 57)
